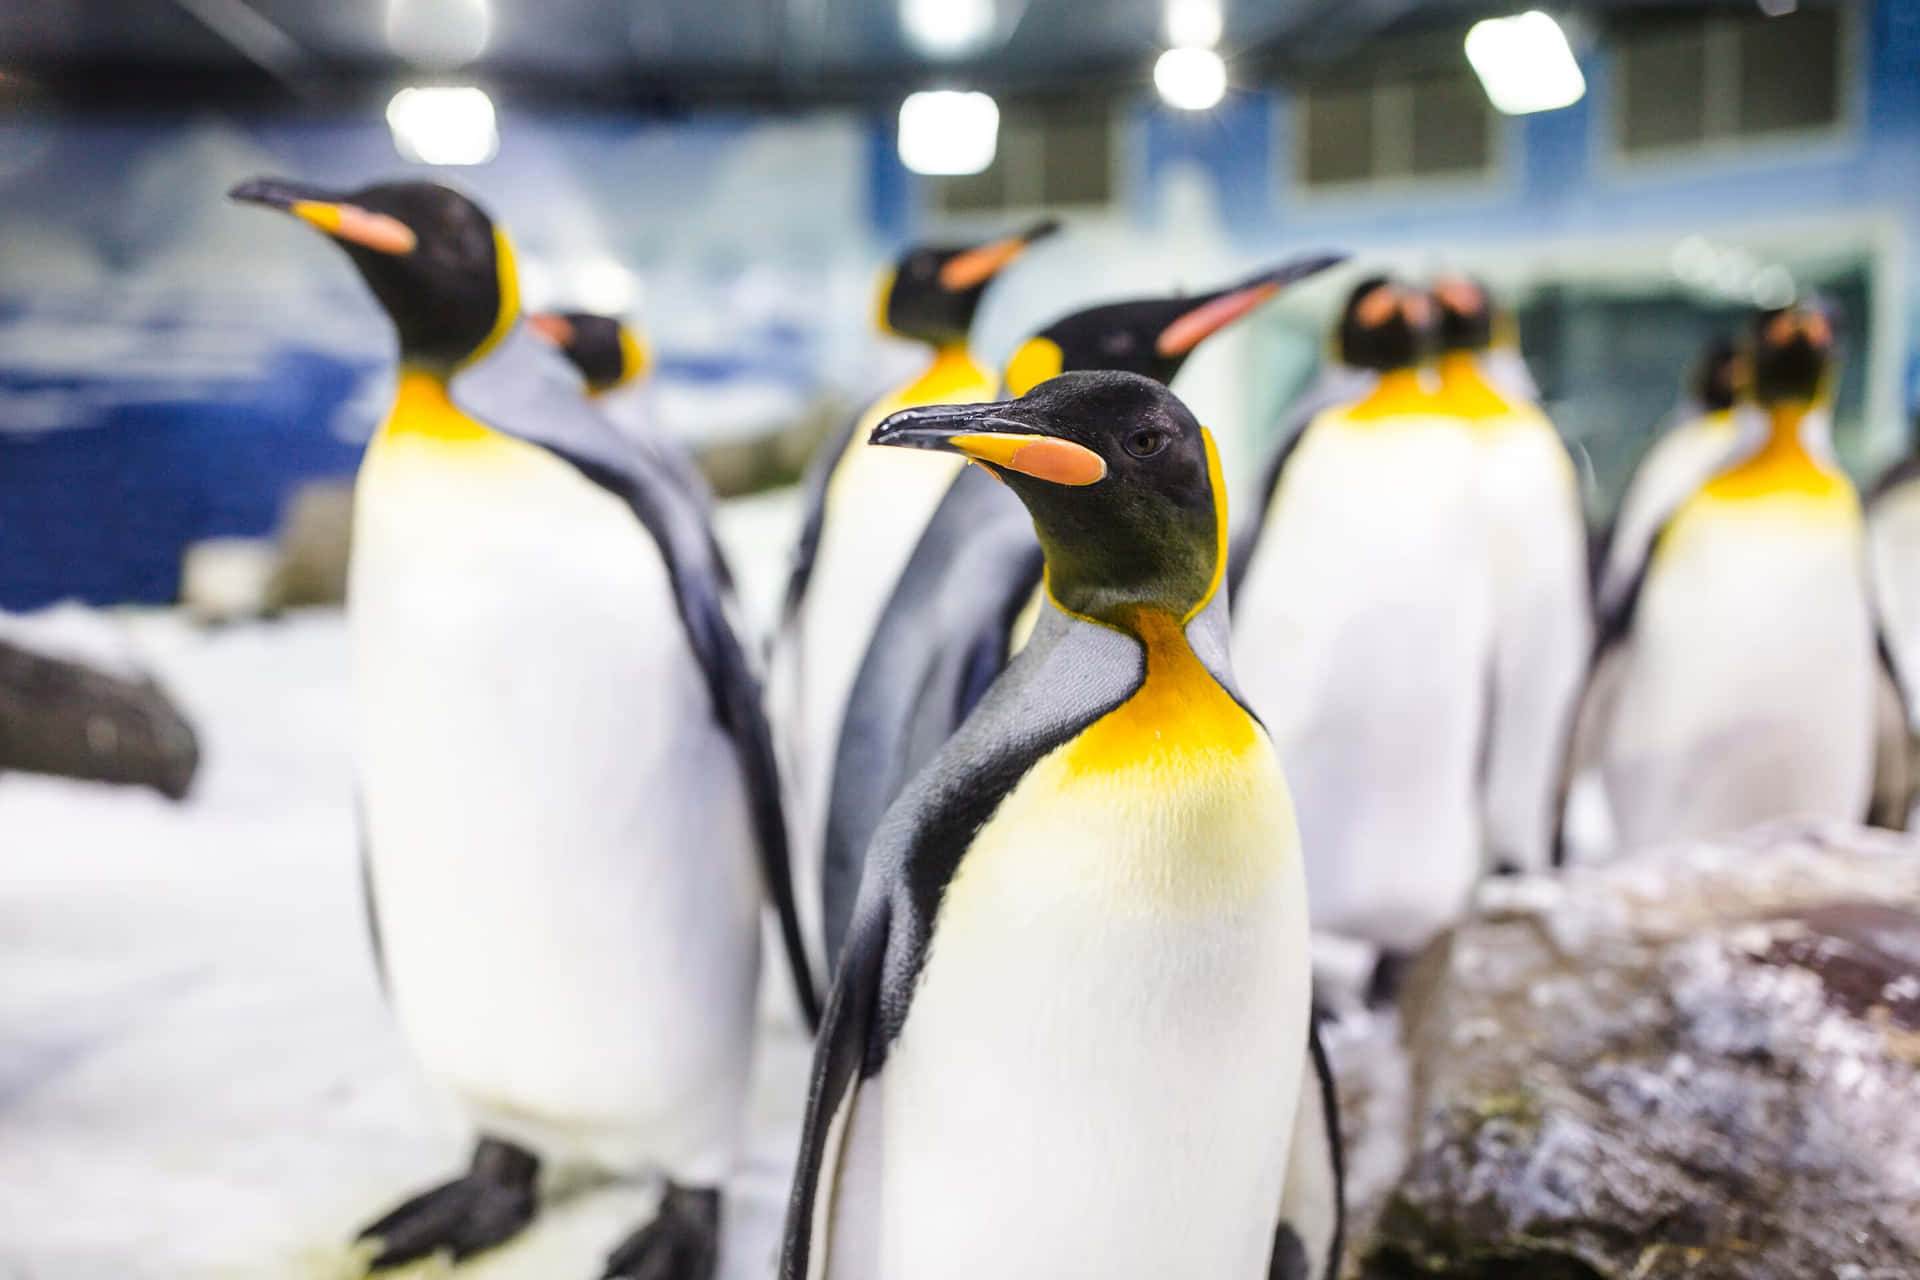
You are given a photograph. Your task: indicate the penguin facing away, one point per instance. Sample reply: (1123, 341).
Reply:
(954, 620)
(1363, 634)
(566, 780)
(866, 509)
(1739, 679)
(1537, 539)
(1070, 1033)
(1701, 433)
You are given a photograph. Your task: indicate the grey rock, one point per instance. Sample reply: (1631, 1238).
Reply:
(71, 720)
(1699, 1062)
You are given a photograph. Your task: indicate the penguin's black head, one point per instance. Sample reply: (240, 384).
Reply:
(433, 258)
(1793, 351)
(1150, 336)
(1716, 380)
(932, 292)
(1385, 325)
(606, 352)
(1122, 483)
(1465, 313)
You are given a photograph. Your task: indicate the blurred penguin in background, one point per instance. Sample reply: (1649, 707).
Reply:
(1701, 432)
(1363, 637)
(1537, 538)
(866, 509)
(566, 780)
(1741, 679)
(969, 595)
(1893, 537)
(612, 357)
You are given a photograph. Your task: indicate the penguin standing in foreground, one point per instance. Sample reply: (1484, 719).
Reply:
(1702, 432)
(1739, 679)
(866, 510)
(1070, 1034)
(611, 357)
(969, 593)
(1537, 540)
(565, 776)
(1363, 636)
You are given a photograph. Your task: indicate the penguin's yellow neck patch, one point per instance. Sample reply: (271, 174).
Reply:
(1180, 717)
(1465, 391)
(1399, 392)
(423, 410)
(954, 372)
(1780, 466)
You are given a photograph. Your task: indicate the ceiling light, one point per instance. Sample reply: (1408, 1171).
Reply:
(443, 125)
(1525, 64)
(1191, 79)
(438, 34)
(1778, 9)
(1194, 24)
(947, 28)
(944, 131)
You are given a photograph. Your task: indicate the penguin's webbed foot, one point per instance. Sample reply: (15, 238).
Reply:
(486, 1206)
(681, 1243)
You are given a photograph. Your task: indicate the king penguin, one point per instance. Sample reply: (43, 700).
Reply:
(1363, 635)
(1740, 678)
(565, 776)
(969, 594)
(1069, 1035)
(612, 359)
(865, 512)
(1893, 535)
(1537, 540)
(1701, 432)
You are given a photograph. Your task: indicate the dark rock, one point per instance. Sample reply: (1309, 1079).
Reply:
(1703, 1062)
(65, 718)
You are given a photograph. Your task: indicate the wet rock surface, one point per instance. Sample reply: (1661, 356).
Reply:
(71, 720)
(1702, 1062)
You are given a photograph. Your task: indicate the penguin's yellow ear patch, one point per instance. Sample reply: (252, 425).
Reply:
(376, 231)
(1043, 457)
(1037, 360)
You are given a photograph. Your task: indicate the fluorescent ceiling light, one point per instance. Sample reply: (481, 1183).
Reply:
(947, 132)
(1191, 79)
(1525, 64)
(947, 28)
(1194, 24)
(443, 125)
(438, 34)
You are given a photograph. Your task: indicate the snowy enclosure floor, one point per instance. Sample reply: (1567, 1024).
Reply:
(199, 1079)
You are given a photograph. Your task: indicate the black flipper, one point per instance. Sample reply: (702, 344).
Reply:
(813, 489)
(682, 1242)
(525, 388)
(372, 905)
(840, 1061)
(1307, 1219)
(1893, 774)
(487, 1206)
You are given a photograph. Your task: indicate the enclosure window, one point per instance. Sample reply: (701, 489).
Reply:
(1433, 125)
(1053, 156)
(1729, 78)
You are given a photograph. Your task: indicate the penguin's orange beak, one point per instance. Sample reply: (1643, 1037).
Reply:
(340, 219)
(979, 432)
(975, 267)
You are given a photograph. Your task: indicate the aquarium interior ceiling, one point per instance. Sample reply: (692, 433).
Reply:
(671, 53)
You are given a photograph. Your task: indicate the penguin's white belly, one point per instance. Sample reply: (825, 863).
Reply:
(1679, 463)
(1099, 1069)
(1749, 689)
(559, 847)
(878, 505)
(1362, 636)
(1894, 530)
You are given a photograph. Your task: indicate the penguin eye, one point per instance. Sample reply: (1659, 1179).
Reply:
(1146, 442)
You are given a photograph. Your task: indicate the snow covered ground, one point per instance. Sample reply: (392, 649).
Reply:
(198, 1075)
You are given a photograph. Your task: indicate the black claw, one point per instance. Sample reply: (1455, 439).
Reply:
(681, 1243)
(487, 1206)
